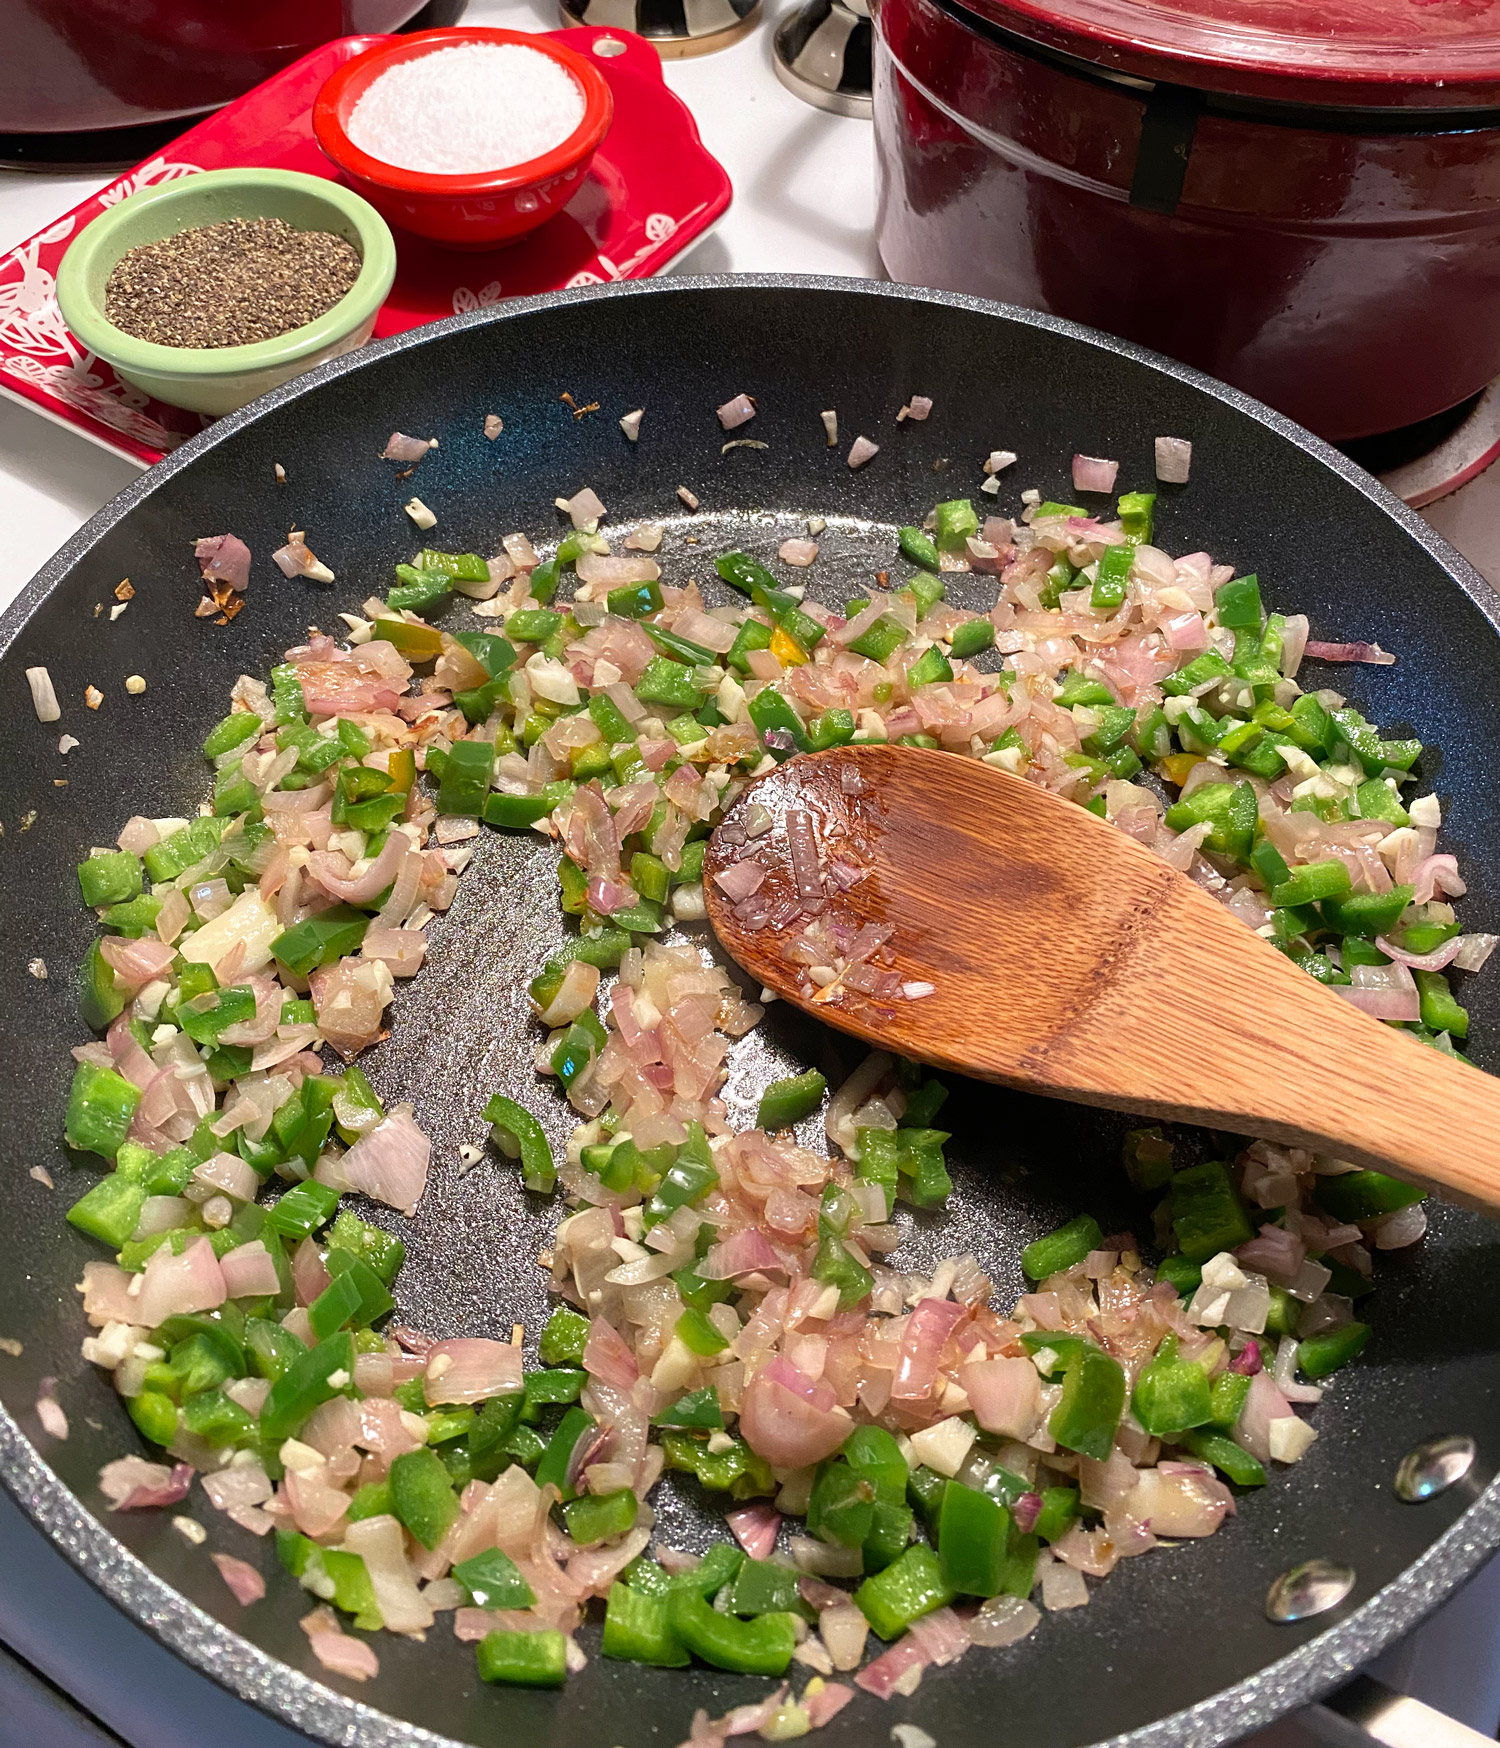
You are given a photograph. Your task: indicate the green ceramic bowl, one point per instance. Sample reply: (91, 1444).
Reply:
(219, 379)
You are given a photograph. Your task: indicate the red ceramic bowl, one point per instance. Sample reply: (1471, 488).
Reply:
(462, 212)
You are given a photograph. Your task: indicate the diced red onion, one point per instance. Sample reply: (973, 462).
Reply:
(400, 447)
(245, 1583)
(617, 570)
(49, 1410)
(471, 1369)
(390, 1162)
(1091, 473)
(585, 507)
(926, 1334)
(172, 1286)
(1264, 1403)
(785, 1428)
(754, 1527)
(403, 950)
(331, 871)
(888, 1674)
(1003, 1620)
(942, 1635)
(1474, 951)
(1433, 961)
(1005, 1395)
(607, 1355)
(826, 1703)
(309, 1276)
(318, 1506)
(1275, 1252)
(1437, 874)
(133, 1484)
(1350, 652)
(1184, 631)
(861, 451)
(1174, 460)
(249, 1270)
(379, 1543)
(737, 412)
(800, 553)
(1382, 1004)
(1190, 1503)
(1026, 1510)
(223, 558)
(237, 1486)
(803, 849)
(1403, 1227)
(335, 1649)
(297, 559)
(746, 1252)
(230, 1173)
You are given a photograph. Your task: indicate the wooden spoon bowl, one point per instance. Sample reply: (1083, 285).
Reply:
(1066, 958)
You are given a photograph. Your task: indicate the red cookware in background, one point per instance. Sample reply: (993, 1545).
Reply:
(1298, 196)
(76, 65)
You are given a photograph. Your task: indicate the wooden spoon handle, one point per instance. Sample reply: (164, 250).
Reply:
(1352, 1087)
(1222, 1030)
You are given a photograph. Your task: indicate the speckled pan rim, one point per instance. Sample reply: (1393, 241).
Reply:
(1304, 1676)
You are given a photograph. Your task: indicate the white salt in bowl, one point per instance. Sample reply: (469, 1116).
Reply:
(426, 105)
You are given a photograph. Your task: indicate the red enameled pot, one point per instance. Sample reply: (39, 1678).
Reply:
(71, 65)
(477, 211)
(1298, 196)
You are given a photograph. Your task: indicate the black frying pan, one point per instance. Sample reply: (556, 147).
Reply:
(1174, 1648)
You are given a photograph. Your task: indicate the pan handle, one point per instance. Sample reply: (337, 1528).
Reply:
(1366, 1710)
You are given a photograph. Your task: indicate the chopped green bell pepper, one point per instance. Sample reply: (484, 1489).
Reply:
(422, 1495)
(110, 1211)
(1363, 1195)
(1092, 1401)
(112, 877)
(1060, 1250)
(314, 1377)
(1228, 1457)
(101, 1105)
(538, 1169)
(638, 1628)
(906, 1590)
(1319, 1355)
(1171, 1394)
(785, 1102)
(973, 1534)
(762, 1646)
(601, 1517)
(537, 1659)
(1206, 1211)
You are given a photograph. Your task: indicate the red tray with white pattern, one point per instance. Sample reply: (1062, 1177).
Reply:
(651, 190)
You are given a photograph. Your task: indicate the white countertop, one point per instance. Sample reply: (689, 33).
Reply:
(804, 202)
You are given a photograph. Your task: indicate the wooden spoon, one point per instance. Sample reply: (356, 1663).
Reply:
(1068, 959)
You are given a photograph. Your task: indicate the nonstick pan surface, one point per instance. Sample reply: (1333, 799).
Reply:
(1174, 1648)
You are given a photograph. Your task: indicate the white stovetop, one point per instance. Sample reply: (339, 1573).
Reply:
(804, 202)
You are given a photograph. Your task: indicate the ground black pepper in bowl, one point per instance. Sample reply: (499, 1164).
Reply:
(229, 284)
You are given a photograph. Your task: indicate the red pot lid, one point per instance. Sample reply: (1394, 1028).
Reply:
(1431, 54)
